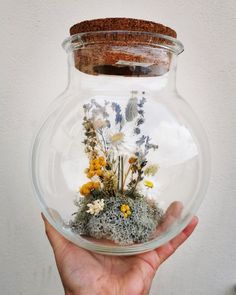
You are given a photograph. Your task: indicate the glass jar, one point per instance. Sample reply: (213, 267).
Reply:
(121, 163)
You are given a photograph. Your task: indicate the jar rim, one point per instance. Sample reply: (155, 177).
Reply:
(169, 43)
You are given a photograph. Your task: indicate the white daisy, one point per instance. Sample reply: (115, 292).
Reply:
(122, 142)
(150, 187)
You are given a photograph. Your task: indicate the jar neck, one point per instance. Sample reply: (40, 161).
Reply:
(122, 59)
(160, 82)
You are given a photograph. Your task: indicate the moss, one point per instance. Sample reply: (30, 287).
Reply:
(111, 224)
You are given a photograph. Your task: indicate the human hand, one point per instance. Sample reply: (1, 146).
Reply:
(86, 273)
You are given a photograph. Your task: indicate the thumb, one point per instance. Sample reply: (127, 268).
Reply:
(57, 241)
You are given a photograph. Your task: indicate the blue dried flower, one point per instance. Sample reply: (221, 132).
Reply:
(141, 141)
(87, 107)
(137, 130)
(142, 102)
(98, 109)
(140, 121)
(141, 112)
(152, 146)
(118, 118)
(149, 145)
(116, 107)
(96, 104)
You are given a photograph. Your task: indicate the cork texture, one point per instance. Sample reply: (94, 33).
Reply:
(129, 24)
(132, 53)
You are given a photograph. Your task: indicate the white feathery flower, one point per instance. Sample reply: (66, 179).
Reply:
(151, 170)
(95, 207)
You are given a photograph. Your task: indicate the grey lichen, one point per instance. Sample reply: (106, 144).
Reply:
(111, 224)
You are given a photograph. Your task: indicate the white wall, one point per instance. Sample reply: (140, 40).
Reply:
(33, 72)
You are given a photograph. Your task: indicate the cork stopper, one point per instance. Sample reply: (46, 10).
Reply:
(115, 24)
(122, 46)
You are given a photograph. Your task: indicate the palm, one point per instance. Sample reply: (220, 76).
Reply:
(107, 274)
(81, 270)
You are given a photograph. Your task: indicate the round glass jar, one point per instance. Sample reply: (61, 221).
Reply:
(120, 164)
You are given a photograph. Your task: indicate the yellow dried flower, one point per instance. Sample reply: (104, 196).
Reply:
(86, 188)
(86, 170)
(96, 185)
(99, 172)
(132, 160)
(95, 167)
(102, 161)
(90, 174)
(125, 209)
(148, 183)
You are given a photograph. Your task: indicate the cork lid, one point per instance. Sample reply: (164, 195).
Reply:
(117, 23)
(122, 46)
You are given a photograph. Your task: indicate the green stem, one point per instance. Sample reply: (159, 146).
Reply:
(118, 182)
(126, 175)
(137, 181)
(122, 173)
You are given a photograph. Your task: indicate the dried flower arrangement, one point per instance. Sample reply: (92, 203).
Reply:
(113, 204)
